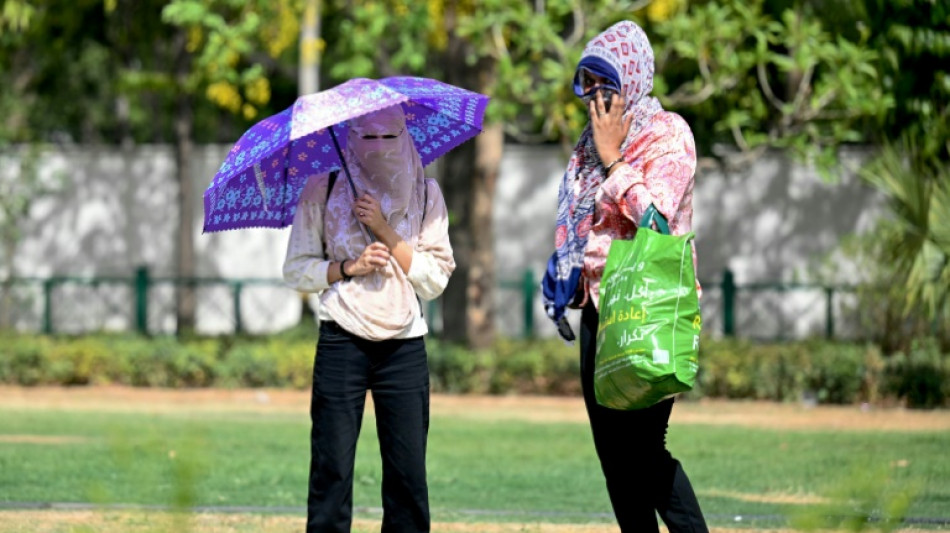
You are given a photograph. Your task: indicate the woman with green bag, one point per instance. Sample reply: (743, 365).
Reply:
(632, 155)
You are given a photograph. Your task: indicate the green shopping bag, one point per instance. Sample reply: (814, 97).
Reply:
(648, 336)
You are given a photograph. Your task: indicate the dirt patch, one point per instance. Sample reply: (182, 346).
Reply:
(526, 408)
(792, 499)
(108, 521)
(41, 439)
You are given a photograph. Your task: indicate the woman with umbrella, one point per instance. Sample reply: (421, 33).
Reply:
(633, 154)
(371, 324)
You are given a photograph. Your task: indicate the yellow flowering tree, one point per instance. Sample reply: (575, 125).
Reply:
(222, 51)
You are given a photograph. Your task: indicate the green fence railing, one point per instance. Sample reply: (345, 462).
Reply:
(142, 283)
(730, 291)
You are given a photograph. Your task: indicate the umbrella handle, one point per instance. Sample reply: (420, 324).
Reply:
(349, 178)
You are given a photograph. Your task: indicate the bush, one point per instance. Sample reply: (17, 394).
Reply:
(454, 369)
(268, 363)
(828, 372)
(842, 373)
(921, 377)
(24, 360)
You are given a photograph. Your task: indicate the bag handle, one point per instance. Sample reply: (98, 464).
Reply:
(651, 216)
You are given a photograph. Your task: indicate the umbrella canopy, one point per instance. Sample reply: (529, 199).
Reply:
(261, 179)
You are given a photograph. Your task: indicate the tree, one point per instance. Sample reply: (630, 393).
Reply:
(221, 49)
(754, 75)
(913, 169)
(18, 146)
(520, 53)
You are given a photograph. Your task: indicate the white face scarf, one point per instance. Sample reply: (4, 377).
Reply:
(384, 164)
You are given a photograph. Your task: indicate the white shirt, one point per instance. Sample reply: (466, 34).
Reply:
(306, 264)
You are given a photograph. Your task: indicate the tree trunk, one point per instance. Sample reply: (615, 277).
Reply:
(185, 257)
(186, 301)
(308, 76)
(469, 174)
(6, 296)
(309, 64)
(481, 276)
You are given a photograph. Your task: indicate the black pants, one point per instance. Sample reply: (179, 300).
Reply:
(642, 477)
(397, 373)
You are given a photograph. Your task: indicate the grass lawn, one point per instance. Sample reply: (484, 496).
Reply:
(501, 468)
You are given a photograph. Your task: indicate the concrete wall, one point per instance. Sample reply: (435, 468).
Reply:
(115, 211)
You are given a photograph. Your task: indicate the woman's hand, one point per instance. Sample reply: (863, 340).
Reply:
(609, 128)
(374, 257)
(368, 212)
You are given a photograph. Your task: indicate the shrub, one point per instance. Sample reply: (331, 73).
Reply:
(841, 373)
(919, 377)
(829, 372)
(24, 359)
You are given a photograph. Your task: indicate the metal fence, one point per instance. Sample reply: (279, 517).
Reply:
(146, 304)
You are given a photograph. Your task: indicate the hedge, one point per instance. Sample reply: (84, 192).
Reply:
(815, 370)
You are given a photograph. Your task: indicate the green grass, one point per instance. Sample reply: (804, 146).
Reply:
(515, 468)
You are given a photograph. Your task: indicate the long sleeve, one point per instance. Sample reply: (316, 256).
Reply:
(305, 266)
(432, 260)
(662, 162)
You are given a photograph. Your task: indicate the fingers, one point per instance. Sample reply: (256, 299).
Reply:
(616, 104)
(377, 255)
(598, 109)
(367, 209)
(367, 202)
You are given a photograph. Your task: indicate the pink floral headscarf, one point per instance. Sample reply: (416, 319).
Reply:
(621, 53)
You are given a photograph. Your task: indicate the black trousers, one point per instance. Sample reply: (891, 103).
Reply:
(397, 373)
(642, 477)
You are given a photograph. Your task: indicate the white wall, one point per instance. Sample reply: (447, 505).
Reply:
(116, 210)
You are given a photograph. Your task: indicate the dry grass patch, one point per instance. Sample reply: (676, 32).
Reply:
(780, 498)
(42, 439)
(767, 415)
(107, 521)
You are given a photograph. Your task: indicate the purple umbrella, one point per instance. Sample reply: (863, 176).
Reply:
(260, 181)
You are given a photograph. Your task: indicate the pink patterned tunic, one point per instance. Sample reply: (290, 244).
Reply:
(661, 165)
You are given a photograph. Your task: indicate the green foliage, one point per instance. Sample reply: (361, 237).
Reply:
(915, 244)
(755, 75)
(224, 36)
(879, 309)
(841, 374)
(829, 373)
(24, 359)
(16, 15)
(523, 56)
(920, 377)
(271, 363)
(913, 37)
(819, 371)
(509, 367)
(869, 499)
